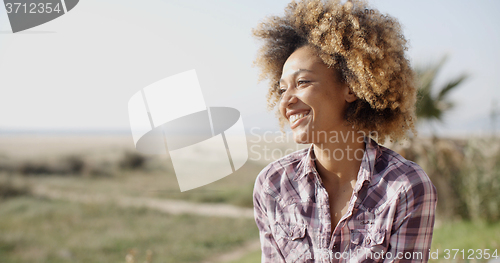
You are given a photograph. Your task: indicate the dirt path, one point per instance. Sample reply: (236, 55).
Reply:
(163, 205)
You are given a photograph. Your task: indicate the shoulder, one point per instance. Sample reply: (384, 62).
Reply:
(409, 176)
(279, 172)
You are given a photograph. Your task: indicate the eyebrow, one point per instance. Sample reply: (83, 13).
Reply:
(296, 72)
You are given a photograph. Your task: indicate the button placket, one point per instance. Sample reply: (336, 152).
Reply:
(324, 209)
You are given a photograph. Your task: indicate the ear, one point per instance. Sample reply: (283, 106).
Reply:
(350, 96)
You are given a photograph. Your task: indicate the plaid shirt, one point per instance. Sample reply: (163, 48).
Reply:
(390, 216)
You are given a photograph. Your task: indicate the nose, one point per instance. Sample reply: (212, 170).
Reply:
(288, 98)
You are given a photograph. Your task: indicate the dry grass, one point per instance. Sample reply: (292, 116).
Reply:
(466, 174)
(38, 230)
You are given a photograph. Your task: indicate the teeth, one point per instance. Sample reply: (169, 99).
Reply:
(296, 117)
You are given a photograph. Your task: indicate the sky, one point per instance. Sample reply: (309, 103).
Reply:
(77, 72)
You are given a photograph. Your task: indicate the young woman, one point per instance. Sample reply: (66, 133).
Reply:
(341, 80)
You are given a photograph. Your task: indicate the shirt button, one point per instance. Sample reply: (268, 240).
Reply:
(368, 240)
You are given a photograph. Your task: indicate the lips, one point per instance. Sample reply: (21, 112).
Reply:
(296, 116)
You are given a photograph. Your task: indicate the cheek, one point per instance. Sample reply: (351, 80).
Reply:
(325, 108)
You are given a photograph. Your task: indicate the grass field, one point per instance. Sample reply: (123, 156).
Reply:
(36, 228)
(41, 230)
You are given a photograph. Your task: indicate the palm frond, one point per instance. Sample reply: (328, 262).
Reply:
(430, 106)
(451, 85)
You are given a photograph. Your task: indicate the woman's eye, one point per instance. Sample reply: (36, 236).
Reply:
(281, 91)
(300, 82)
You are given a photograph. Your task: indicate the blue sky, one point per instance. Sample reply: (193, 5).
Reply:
(77, 72)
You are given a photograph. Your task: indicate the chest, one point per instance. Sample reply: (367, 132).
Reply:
(338, 200)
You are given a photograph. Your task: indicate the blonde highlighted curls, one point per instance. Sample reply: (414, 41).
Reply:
(364, 46)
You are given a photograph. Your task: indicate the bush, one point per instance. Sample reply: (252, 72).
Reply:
(132, 160)
(72, 165)
(479, 180)
(466, 174)
(80, 165)
(9, 189)
(34, 168)
(68, 165)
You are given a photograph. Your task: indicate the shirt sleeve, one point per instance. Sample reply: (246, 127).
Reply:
(269, 247)
(411, 235)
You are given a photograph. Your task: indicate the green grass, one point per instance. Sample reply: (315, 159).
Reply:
(252, 257)
(37, 230)
(466, 235)
(40, 230)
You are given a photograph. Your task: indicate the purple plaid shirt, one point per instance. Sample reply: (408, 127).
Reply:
(390, 216)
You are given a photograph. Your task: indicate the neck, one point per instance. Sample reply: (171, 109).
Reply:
(338, 161)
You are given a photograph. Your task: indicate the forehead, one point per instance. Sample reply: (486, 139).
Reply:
(304, 57)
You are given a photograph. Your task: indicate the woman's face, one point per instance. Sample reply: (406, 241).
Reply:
(313, 99)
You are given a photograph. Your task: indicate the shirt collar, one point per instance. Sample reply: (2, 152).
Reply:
(307, 166)
(367, 168)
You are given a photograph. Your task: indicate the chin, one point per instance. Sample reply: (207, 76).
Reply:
(301, 137)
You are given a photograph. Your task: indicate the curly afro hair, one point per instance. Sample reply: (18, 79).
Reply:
(364, 46)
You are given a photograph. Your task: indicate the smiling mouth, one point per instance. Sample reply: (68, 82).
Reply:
(296, 117)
